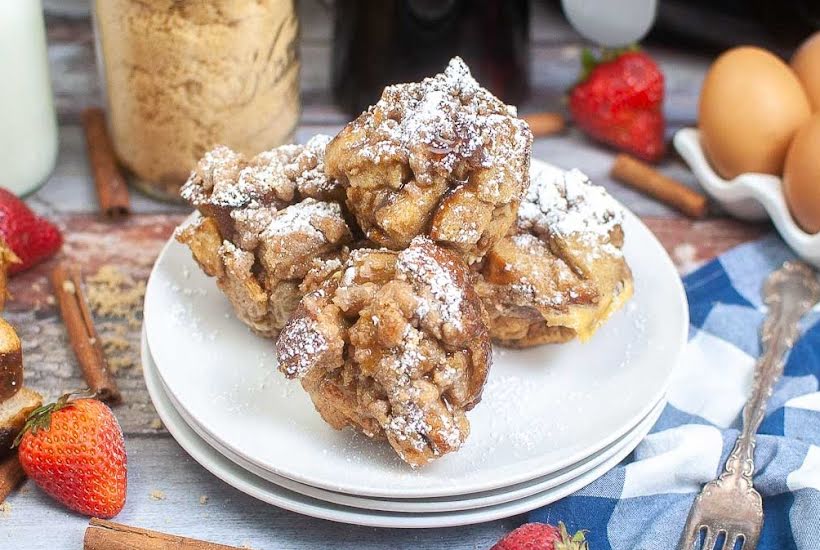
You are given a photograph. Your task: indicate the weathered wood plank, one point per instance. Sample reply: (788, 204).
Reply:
(158, 466)
(693, 243)
(50, 365)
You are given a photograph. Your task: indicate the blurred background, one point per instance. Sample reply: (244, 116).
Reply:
(505, 38)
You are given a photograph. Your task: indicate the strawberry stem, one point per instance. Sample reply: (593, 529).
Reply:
(589, 60)
(40, 418)
(575, 542)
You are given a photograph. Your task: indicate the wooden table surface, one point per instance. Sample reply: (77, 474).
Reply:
(165, 485)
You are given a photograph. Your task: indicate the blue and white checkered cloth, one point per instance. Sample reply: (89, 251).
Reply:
(643, 503)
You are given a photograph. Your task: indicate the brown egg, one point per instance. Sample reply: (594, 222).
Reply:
(751, 105)
(806, 63)
(801, 176)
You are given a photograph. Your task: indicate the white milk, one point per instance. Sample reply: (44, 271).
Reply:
(28, 125)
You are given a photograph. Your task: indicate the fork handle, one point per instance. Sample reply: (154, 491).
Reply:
(790, 293)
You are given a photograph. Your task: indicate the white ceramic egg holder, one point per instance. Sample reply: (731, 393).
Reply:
(750, 196)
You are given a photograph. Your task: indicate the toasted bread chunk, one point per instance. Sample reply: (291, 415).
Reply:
(269, 228)
(442, 157)
(13, 415)
(561, 272)
(7, 259)
(394, 345)
(11, 362)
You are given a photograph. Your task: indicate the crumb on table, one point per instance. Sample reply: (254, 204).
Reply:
(116, 297)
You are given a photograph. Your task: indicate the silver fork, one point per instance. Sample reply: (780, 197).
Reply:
(729, 505)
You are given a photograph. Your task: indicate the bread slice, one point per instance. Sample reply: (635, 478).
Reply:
(13, 414)
(7, 259)
(11, 362)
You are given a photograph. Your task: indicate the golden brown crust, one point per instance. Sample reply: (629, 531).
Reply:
(394, 345)
(7, 259)
(266, 274)
(11, 361)
(269, 229)
(520, 332)
(442, 158)
(13, 414)
(560, 273)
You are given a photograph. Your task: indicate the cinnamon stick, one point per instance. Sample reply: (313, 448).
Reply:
(83, 335)
(107, 535)
(545, 124)
(643, 177)
(112, 189)
(11, 475)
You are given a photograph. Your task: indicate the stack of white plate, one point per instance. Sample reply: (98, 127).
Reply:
(552, 419)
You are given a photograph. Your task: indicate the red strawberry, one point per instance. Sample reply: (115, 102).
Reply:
(541, 536)
(74, 450)
(620, 101)
(32, 238)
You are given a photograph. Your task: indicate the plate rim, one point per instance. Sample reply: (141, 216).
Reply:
(526, 474)
(312, 507)
(470, 501)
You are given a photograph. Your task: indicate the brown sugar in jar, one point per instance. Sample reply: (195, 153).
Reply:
(182, 76)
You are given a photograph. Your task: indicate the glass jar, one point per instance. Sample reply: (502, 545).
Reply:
(182, 76)
(28, 124)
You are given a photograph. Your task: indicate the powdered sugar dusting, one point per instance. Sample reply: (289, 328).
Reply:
(192, 223)
(298, 345)
(568, 205)
(417, 265)
(236, 258)
(328, 265)
(301, 218)
(525, 288)
(409, 356)
(509, 398)
(308, 168)
(409, 426)
(407, 422)
(217, 166)
(225, 178)
(526, 240)
(452, 435)
(436, 123)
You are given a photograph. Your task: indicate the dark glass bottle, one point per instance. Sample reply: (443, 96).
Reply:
(381, 42)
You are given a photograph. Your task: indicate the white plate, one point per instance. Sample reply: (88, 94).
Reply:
(440, 504)
(257, 487)
(543, 409)
(749, 196)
